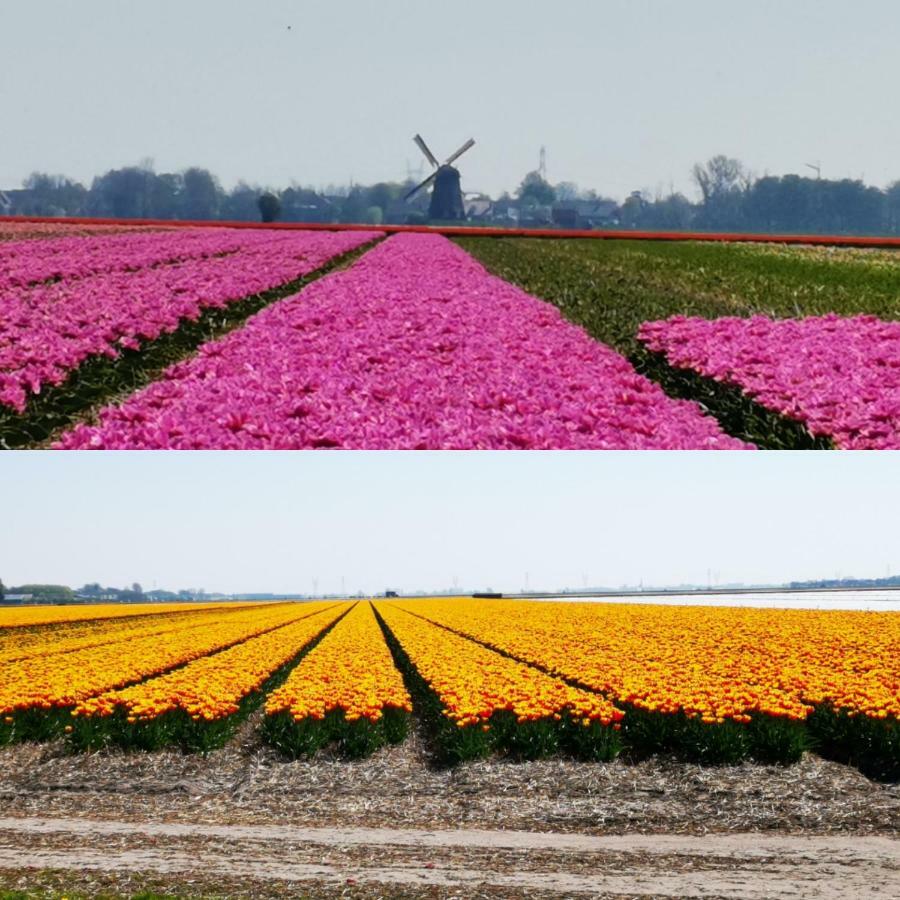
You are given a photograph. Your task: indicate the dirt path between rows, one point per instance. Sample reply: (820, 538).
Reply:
(749, 866)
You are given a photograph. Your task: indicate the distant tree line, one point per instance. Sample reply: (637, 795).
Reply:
(730, 199)
(137, 192)
(95, 592)
(890, 581)
(135, 594)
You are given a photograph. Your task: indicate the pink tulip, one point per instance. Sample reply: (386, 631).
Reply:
(416, 346)
(839, 376)
(121, 291)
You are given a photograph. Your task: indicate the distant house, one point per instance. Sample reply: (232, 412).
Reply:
(304, 205)
(536, 216)
(6, 204)
(598, 213)
(478, 206)
(398, 212)
(18, 598)
(414, 211)
(21, 202)
(505, 210)
(586, 214)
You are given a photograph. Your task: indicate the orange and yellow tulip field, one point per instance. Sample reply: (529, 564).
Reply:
(523, 678)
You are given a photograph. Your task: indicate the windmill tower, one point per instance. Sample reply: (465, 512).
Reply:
(446, 197)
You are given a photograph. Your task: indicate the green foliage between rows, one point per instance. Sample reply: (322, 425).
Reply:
(298, 739)
(765, 739)
(738, 415)
(872, 745)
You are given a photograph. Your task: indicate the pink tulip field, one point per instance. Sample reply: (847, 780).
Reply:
(840, 376)
(77, 257)
(48, 329)
(18, 231)
(415, 346)
(234, 338)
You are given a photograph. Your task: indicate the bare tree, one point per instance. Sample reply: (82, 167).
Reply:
(720, 176)
(723, 182)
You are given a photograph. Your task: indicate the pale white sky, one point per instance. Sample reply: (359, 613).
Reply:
(625, 94)
(237, 522)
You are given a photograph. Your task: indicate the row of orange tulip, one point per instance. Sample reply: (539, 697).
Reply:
(28, 616)
(715, 664)
(351, 672)
(24, 643)
(60, 680)
(214, 687)
(474, 683)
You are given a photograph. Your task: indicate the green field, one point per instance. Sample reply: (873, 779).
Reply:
(609, 287)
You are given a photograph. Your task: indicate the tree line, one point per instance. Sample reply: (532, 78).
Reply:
(95, 592)
(137, 192)
(730, 198)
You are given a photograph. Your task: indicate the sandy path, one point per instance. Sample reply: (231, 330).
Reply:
(750, 866)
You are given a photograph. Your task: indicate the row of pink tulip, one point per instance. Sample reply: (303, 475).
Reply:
(415, 346)
(839, 376)
(25, 263)
(19, 231)
(47, 331)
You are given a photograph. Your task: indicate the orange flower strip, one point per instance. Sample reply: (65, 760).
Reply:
(711, 663)
(61, 680)
(474, 683)
(350, 671)
(28, 616)
(346, 690)
(213, 687)
(21, 643)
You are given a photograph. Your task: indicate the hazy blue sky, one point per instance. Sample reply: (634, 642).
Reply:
(625, 95)
(275, 521)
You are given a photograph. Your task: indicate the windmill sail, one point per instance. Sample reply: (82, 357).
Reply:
(466, 146)
(424, 148)
(419, 187)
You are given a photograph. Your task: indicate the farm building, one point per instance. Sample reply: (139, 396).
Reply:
(16, 203)
(9, 599)
(586, 214)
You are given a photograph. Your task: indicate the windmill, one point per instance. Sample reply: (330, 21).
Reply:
(446, 197)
